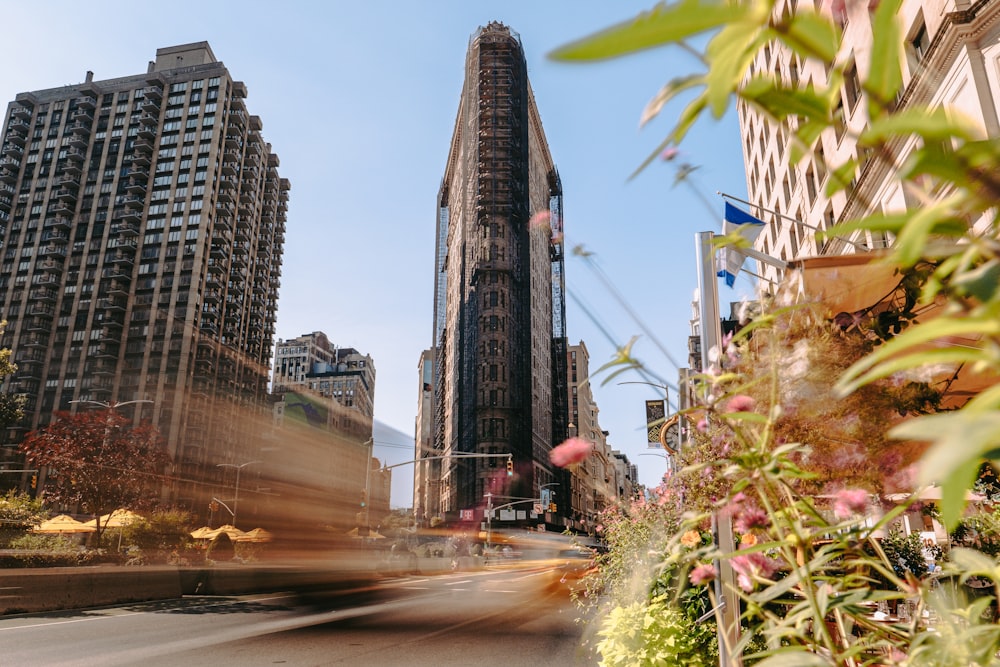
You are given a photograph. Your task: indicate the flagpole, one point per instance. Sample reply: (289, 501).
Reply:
(724, 195)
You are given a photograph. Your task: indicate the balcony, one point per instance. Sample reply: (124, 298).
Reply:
(38, 324)
(30, 369)
(86, 102)
(150, 105)
(43, 294)
(122, 257)
(69, 181)
(5, 203)
(13, 151)
(53, 250)
(66, 194)
(136, 188)
(35, 340)
(118, 288)
(103, 366)
(114, 304)
(50, 265)
(83, 115)
(130, 215)
(8, 176)
(140, 158)
(147, 132)
(52, 236)
(61, 223)
(125, 228)
(65, 207)
(78, 140)
(41, 309)
(10, 163)
(21, 110)
(142, 145)
(76, 155)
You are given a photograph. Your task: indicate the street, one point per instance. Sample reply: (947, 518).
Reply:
(512, 617)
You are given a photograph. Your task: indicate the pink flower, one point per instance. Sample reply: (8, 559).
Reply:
(702, 425)
(570, 452)
(848, 502)
(540, 220)
(702, 574)
(751, 518)
(752, 566)
(669, 154)
(740, 403)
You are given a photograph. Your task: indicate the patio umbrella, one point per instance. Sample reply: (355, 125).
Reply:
(117, 519)
(203, 533)
(63, 524)
(232, 531)
(255, 535)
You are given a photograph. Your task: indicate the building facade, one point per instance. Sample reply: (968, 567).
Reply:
(143, 223)
(312, 363)
(499, 315)
(951, 60)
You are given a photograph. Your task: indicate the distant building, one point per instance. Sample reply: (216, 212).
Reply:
(592, 484)
(499, 316)
(426, 473)
(142, 220)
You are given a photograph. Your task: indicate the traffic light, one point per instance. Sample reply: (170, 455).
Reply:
(510, 467)
(552, 507)
(34, 481)
(364, 498)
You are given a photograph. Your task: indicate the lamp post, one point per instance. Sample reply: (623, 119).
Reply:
(368, 483)
(236, 492)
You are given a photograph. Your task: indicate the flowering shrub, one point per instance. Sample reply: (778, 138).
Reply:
(808, 421)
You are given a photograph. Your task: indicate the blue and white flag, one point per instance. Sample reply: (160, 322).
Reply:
(730, 259)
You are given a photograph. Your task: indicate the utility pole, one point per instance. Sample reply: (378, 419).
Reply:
(727, 605)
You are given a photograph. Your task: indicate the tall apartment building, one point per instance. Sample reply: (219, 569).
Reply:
(143, 223)
(499, 315)
(952, 55)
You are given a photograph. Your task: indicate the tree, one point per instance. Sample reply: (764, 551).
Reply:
(98, 460)
(11, 405)
(18, 513)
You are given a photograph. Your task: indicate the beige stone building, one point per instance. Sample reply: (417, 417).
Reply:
(951, 60)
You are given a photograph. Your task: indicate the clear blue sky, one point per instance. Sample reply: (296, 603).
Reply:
(359, 99)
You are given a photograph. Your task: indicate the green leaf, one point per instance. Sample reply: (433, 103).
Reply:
(981, 282)
(812, 36)
(884, 75)
(666, 24)
(960, 440)
(975, 563)
(781, 102)
(933, 125)
(841, 177)
(729, 54)
(673, 88)
(934, 330)
(912, 239)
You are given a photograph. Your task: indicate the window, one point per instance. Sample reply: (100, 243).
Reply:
(852, 87)
(920, 42)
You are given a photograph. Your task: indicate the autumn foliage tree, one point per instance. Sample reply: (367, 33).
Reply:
(99, 461)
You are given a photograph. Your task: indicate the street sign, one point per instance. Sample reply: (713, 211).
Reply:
(537, 508)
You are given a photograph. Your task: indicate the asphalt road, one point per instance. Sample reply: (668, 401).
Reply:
(510, 618)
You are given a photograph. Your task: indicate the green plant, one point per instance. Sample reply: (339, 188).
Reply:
(19, 512)
(814, 562)
(160, 534)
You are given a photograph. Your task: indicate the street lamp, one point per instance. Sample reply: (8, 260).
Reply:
(236, 493)
(541, 498)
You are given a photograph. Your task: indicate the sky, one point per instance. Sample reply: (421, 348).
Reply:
(359, 99)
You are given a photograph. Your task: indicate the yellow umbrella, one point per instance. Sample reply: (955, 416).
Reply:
(255, 535)
(232, 531)
(63, 523)
(201, 533)
(117, 519)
